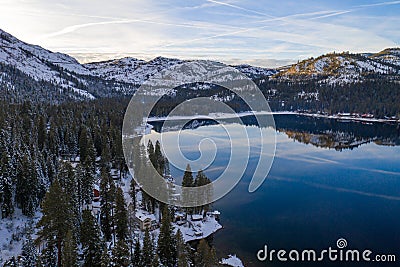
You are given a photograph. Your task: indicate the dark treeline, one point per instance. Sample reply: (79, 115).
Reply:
(379, 97)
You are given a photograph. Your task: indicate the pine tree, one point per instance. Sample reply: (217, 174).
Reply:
(51, 166)
(132, 193)
(52, 141)
(159, 158)
(182, 250)
(57, 218)
(105, 258)
(137, 260)
(41, 133)
(201, 180)
(187, 182)
(107, 193)
(39, 262)
(90, 160)
(29, 253)
(83, 144)
(106, 153)
(213, 257)
(7, 206)
(167, 170)
(150, 152)
(166, 246)
(90, 240)
(71, 142)
(142, 168)
(119, 158)
(121, 215)
(156, 261)
(27, 186)
(70, 254)
(87, 176)
(68, 181)
(147, 253)
(79, 174)
(205, 256)
(6, 187)
(120, 254)
(49, 254)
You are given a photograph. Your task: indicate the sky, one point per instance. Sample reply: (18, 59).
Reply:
(258, 32)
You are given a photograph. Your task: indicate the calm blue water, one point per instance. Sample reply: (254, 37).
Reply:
(312, 196)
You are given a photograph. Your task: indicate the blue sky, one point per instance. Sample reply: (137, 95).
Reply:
(263, 32)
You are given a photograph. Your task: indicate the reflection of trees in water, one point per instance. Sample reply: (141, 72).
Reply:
(330, 133)
(320, 132)
(336, 140)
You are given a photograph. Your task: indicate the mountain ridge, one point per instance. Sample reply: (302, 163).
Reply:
(344, 67)
(122, 76)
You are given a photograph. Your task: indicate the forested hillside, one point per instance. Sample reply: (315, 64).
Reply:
(63, 174)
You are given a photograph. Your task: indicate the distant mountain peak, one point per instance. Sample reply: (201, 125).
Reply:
(124, 75)
(344, 67)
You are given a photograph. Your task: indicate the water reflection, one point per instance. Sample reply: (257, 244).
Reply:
(313, 195)
(320, 132)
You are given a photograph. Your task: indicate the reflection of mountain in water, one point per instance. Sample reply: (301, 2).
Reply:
(194, 124)
(180, 124)
(331, 133)
(320, 132)
(336, 140)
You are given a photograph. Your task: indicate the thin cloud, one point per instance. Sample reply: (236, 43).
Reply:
(151, 20)
(272, 19)
(73, 28)
(381, 4)
(242, 31)
(239, 7)
(332, 14)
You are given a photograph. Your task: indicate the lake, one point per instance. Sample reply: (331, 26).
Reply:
(329, 180)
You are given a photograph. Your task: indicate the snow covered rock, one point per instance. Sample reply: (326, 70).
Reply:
(233, 261)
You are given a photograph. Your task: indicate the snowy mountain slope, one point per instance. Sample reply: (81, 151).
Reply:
(136, 71)
(123, 76)
(89, 80)
(43, 65)
(389, 56)
(343, 68)
(118, 69)
(145, 71)
(13, 51)
(130, 70)
(255, 72)
(197, 75)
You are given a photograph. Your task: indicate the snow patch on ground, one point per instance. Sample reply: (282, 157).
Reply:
(233, 261)
(12, 234)
(195, 230)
